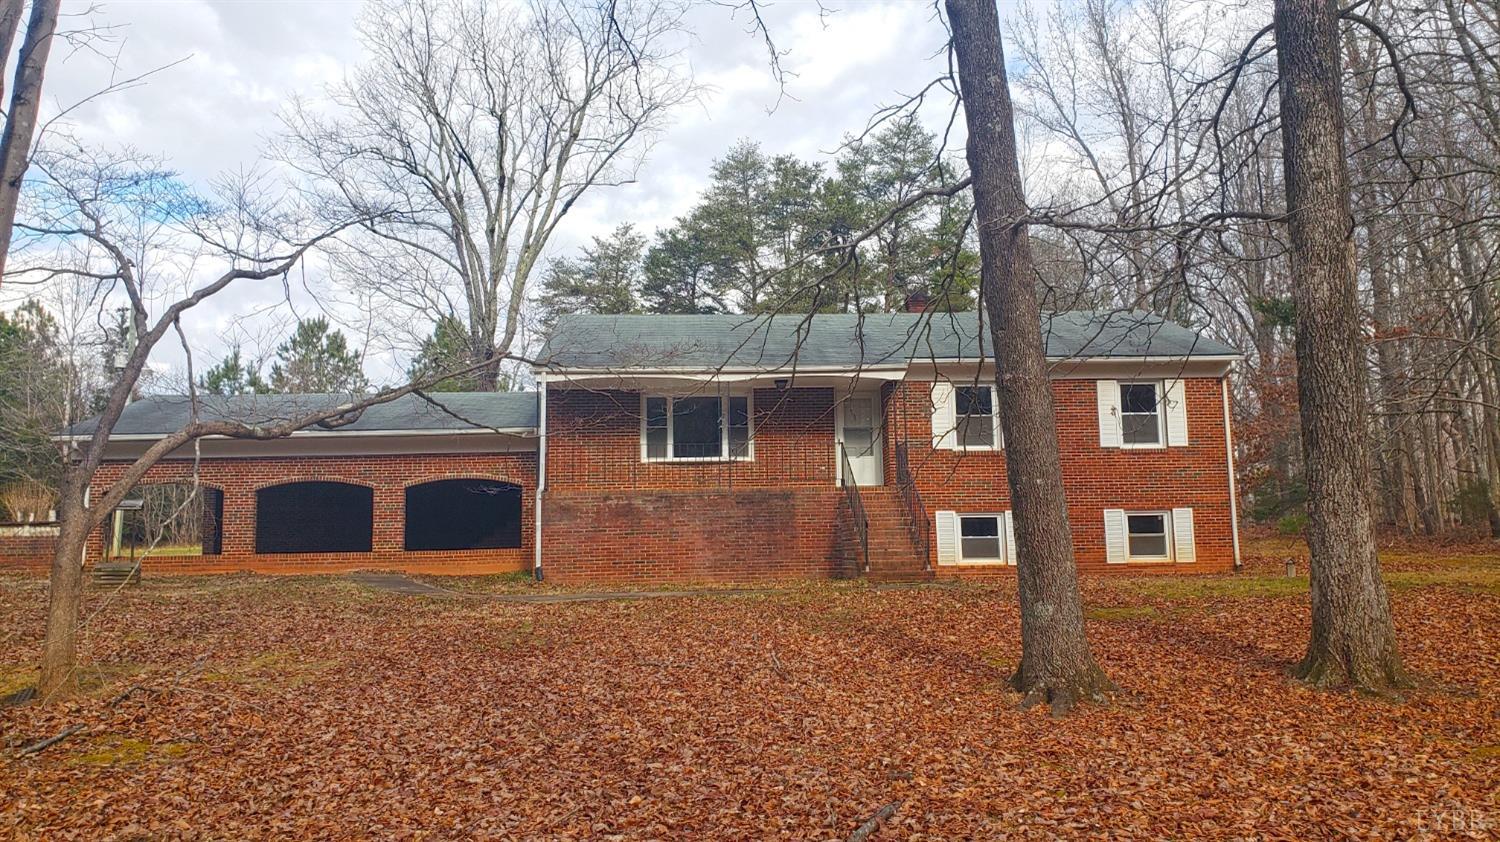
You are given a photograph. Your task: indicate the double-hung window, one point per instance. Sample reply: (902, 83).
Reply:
(1140, 414)
(696, 428)
(980, 538)
(974, 412)
(1148, 535)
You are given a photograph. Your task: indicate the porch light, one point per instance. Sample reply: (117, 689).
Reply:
(782, 383)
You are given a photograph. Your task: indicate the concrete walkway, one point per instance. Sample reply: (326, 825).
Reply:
(400, 583)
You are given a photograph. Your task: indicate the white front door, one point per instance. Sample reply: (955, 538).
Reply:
(859, 434)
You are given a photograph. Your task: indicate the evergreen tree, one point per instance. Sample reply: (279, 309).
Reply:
(37, 395)
(233, 376)
(446, 350)
(317, 359)
(605, 278)
(678, 278)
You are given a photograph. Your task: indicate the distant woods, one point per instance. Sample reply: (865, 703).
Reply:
(766, 236)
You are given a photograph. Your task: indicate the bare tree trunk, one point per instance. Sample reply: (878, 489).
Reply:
(20, 119)
(1056, 664)
(1353, 641)
(60, 647)
(10, 21)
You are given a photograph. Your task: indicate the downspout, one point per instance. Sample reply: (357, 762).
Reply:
(1234, 506)
(541, 472)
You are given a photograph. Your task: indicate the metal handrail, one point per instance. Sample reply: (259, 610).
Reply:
(916, 510)
(856, 506)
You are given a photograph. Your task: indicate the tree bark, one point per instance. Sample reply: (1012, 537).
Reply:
(1056, 663)
(65, 591)
(20, 120)
(1353, 641)
(10, 21)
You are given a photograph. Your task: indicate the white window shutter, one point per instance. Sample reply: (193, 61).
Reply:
(1182, 535)
(944, 419)
(995, 416)
(1010, 537)
(1116, 547)
(947, 537)
(1176, 409)
(1109, 413)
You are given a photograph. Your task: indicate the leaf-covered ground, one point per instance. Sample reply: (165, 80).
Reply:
(316, 708)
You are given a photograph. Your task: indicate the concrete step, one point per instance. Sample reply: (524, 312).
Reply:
(126, 573)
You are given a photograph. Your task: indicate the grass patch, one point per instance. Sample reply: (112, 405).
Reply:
(1485, 754)
(1217, 587)
(1475, 578)
(17, 677)
(114, 750)
(278, 669)
(1121, 612)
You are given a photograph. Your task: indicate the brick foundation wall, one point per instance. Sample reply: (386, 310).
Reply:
(748, 535)
(27, 547)
(1094, 478)
(387, 475)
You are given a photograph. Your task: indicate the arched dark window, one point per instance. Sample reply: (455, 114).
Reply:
(314, 517)
(463, 514)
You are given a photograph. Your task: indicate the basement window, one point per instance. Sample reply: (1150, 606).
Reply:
(980, 538)
(697, 428)
(463, 514)
(1148, 535)
(314, 517)
(168, 519)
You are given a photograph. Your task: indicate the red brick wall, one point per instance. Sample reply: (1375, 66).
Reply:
(753, 534)
(1094, 478)
(594, 445)
(388, 476)
(27, 547)
(610, 517)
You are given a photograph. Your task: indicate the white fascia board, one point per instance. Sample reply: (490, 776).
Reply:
(635, 380)
(1085, 368)
(307, 434)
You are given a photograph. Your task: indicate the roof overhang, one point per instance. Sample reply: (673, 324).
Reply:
(305, 434)
(351, 444)
(746, 378)
(630, 379)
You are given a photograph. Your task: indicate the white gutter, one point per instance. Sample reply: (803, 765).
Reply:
(1234, 507)
(307, 434)
(541, 471)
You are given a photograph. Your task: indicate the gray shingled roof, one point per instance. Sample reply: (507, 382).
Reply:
(156, 415)
(583, 341)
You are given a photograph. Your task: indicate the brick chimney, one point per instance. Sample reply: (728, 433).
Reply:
(916, 301)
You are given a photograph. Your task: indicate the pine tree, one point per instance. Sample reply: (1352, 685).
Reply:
(446, 350)
(606, 278)
(233, 376)
(317, 359)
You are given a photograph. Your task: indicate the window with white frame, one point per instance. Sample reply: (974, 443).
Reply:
(974, 412)
(696, 427)
(1140, 413)
(1148, 534)
(980, 538)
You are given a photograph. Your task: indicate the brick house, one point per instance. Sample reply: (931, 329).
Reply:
(723, 448)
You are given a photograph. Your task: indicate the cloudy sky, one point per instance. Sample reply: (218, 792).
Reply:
(242, 60)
